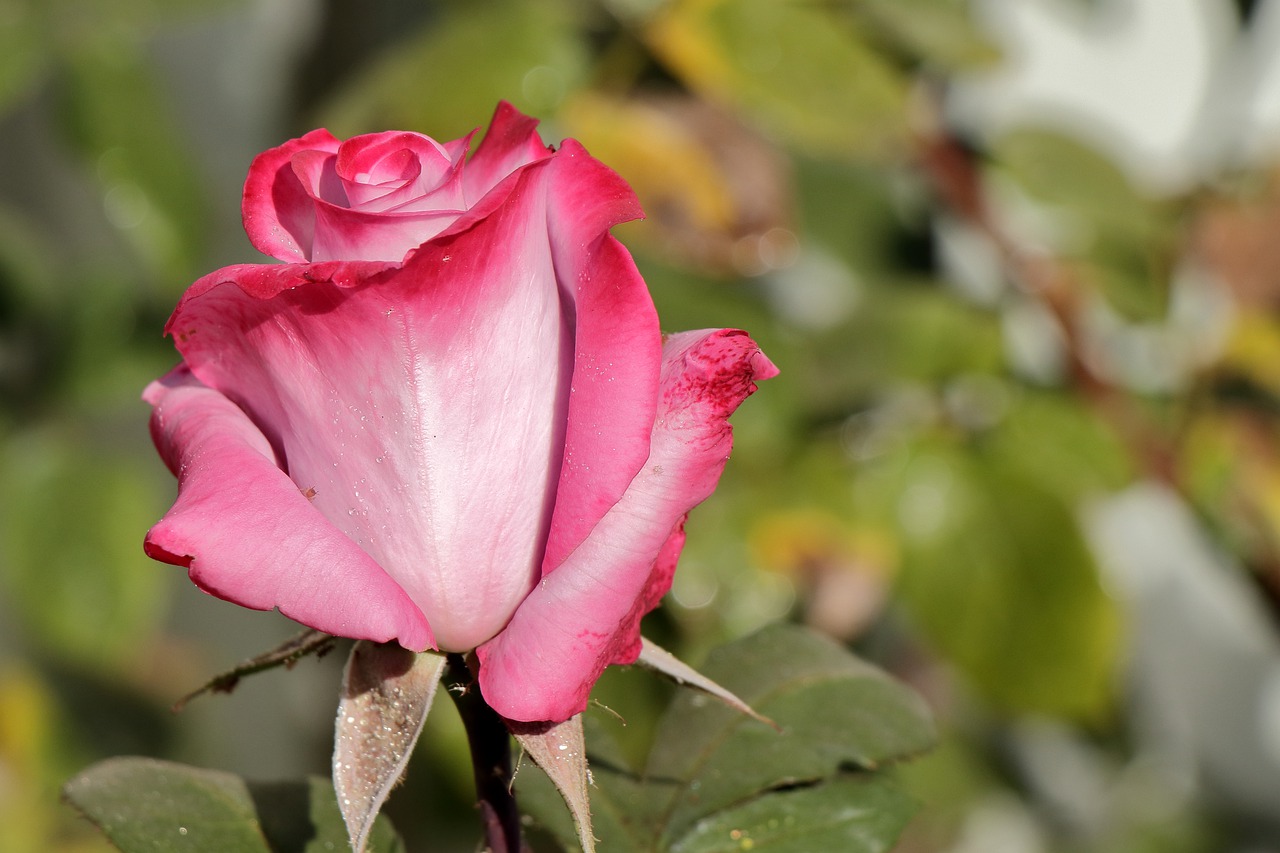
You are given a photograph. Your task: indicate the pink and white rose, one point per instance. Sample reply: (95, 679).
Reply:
(449, 418)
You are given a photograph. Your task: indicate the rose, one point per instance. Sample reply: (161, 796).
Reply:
(449, 419)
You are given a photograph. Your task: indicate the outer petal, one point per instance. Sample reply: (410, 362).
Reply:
(278, 214)
(425, 404)
(584, 616)
(247, 534)
(618, 346)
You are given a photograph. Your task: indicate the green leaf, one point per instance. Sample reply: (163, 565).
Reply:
(80, 587)
(115, 114)
(711, 766)
(780, 61)
(1062, 443)
(1124, 241)
(147, 806)
(304, 817)
(834, 710)
(23, 49)
(446, 80)
(999, 579)
(851, 814)
(936, 32)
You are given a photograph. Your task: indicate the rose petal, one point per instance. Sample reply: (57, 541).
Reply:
(401, 171)
(511, 141)
(618, 347)
(278, 214)
(584, 616)
(246, 532)
(345, 234)
(425, 404)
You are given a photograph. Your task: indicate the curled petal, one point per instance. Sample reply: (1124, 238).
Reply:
(278, 214)
(585, 615)
(248, 534)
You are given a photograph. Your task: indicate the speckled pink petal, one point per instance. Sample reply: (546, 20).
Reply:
(249, 534)
(584, 615)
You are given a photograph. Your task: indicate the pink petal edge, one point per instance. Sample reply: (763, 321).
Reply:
(247, 534)
(618, 347)
(585, 615)
(277, 212)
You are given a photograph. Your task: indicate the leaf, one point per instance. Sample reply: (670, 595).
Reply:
(834, 709)
(1125, 242)
(851, 814)
(624, 808)
(304, 816)
(710, 763)
(23, 50)
(801, 69)
(529, 54)
(559, 749)
(936, 32)
(292, 650)
(998, 577)
(83, 588)
(660, 660)
(147, 806)
(386, 694)
(115, 114)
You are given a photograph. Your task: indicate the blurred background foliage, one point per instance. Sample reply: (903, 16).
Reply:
(1017, 260)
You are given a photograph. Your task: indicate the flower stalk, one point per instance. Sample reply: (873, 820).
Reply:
(491, 761)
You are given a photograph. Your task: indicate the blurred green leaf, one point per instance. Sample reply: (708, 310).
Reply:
(144, 805)
(1061, 443)
(304, 816)
(936, 32)
(1124, 241)
(117, 117)
(998, 577)
(23, 54)
(71, 521)
(849, 814)
(801, 69)
(477, 53)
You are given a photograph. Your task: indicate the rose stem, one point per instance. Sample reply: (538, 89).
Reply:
(490, 757)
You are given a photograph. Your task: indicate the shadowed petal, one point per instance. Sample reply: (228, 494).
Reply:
(585, 615)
